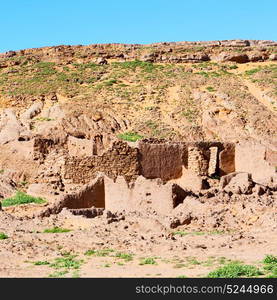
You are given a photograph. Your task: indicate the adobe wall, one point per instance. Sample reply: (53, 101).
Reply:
(163, 160)
(79, 147)
(42, 147)
(92, 194)
(226, 160)
(256, 159)
(83, 158)
(120, 159)
(142, 194)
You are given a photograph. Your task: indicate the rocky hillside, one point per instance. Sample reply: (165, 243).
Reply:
(221, 90)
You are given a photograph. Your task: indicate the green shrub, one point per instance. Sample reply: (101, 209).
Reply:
(68, 262)
(252, 71)
(210, 89)
(270, 259)
(125, 256)
(232, 67)
(181, 233)
(3, 236)
(41, 263)
(270, 265)
(148, 261)
(90, 252)
(234, 270)
(133, 65)
(130, 136)
(56, 230)
(102, 252)
(57, 274)
(21, 198)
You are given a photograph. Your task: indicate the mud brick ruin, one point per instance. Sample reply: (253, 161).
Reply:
(149, 174)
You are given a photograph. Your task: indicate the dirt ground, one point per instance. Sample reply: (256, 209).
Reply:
(130, 245)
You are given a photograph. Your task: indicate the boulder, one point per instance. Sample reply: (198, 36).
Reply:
(7, 187)
(10, 127)
(33, 111)
(234, 57)
(239, 183)
(101, 61)
(273, 56)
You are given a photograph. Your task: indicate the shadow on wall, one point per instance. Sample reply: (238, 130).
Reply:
(118, 195)
(92, 194)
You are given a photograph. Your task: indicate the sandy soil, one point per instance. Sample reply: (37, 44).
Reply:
(129, 239)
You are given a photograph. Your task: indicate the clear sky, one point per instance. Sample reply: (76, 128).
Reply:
(37, 23)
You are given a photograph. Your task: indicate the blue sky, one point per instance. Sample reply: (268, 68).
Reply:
(37, 23)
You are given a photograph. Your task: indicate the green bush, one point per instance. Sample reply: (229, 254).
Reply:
(3, 236)
(234, 270)
(148, 261)
(21, 198)
(210, 89)
(252, 71)
(56, 230)
(130, 136)
(270, 259)
(68, 262)
(102, 252)
(125, 256)
(41, 263)
(270, 265)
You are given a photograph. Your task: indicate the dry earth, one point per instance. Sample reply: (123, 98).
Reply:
(216, 91)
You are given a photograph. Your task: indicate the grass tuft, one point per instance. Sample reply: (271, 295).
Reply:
(234, 270)
(148, 261)
(21, 198)
(125, 256)
(3, 236)
(130, 136)
(56, 230)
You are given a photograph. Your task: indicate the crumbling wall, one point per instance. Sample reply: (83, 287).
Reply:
(253, 158)
(79, 147)
(120, 159)
(161, 160)
(42, 147)
(197, 162)
(226, 163)
(213, 160)
(142, 194)
(150, 158)
(92, 194)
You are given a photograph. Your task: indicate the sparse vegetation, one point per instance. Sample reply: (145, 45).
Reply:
(148, 261)
(102, 252)
(125, 256)
(56, 230)
(43, 119)
(234, 270)
(63, 265)
(270, 266)
(210, 89)
(67, 262)
(3, 236)
(58, 274)
(41, 263)
(130, 136)
(252, 71)
(193, 261)
(21, 198)
(184, 233)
